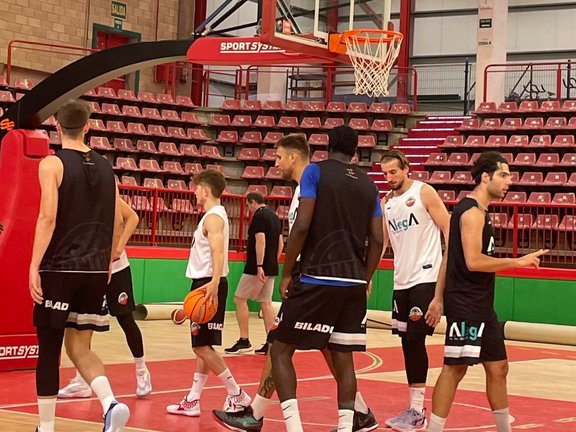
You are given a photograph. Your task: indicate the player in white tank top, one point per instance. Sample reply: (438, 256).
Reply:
(414, 216)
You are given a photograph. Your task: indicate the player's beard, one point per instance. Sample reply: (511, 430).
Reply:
(397, 186)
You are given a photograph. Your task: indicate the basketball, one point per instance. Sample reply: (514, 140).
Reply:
(197, 308)
(178, 316)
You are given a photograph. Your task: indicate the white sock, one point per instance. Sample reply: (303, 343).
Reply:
(291, 415)
(436, 423)
(360, 405)
(197, 386)
(502, 419)
(139, 362)
(345, 420)
(417, 398)
(47, 413)
(101, 387)
(259, 405)
(229, 382)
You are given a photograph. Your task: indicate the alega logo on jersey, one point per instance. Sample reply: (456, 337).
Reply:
(462, 330)
(403, 224)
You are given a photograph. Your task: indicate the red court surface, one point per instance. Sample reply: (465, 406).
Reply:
(316, 393)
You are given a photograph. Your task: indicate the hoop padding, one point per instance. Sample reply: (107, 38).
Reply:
(372, 54)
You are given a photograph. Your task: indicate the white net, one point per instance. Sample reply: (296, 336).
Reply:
(372, 56)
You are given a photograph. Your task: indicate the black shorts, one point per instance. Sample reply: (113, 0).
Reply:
(408, 309)
(323, 316)
(73, 300)
(471, 342)
(210, 333)
(120, 295)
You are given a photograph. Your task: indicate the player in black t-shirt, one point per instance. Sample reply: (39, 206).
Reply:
(263, 251)
(466, 288)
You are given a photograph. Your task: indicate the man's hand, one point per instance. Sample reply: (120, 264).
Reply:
(261, 275)
(211, 289)
(369, 289)
(285, 287)
(117, 254)
(434, 313)
(532, 259)
(35, 286)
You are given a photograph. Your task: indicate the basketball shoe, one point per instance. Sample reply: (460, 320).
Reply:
(143, 383)
(411, 421)
(241, 346)
(77, 388)
(363, 422)
(239, 402)
(263, 350)
(185, 407)
(116, 417)
(242, 421)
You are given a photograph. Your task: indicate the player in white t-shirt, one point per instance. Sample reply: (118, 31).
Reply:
(414, 218)
(120, 302)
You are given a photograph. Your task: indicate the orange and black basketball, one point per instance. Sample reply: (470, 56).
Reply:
(197, 308)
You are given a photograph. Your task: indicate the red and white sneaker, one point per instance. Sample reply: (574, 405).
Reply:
(185, 407)
(236, 403)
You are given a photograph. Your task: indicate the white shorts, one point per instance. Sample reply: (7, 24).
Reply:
(250, 287)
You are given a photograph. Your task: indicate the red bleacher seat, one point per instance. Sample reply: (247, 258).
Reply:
(569, 106)
(335, 106)
(157, 130)
(462, 194)
(453, 141)
(94, 107)
(563, 141)
(499, 220)
(176, 185)
(318, 139)
(540, 198)
(359, 124)
(447, 195)
(550, 106)
(100, 143)
(518, 141)
(241, 120)
(176, 132)
(252, 105)
(366, 141)
(141, 203)
(568, 223)
(508, 156)
(524, 222)
(97, 125)
(182, 205)
(381, 125)
(168, 148)
(569, 159)
(170, 115)
(146, 146)
(288, 122)
(261, 189)
(229, 137)
(272, 106)
(193, 168)
(525, 159)
(515, 197)
(496, 141)
(150, 165)
(248, 154)
(148, 97)
(313, 106)
(251, 138)
(127, 163)
(265, 121)
(357, 107)
(215, 167)
(439, 177)
(462, 177)
(546, 222)
(400, 109)
(272, 137)
(468, 124)
(173, 167)
(571, 123)
(189, 150)
(556, 123)
(165, 99)
(534, 123)
(269, 155)
(190, 117)
(196, 134)
(136, 129)
(528, 106)
(548, 159)
(131, 111)
(210, 152)
(253, 172)
(457, 159)
(540, 141)
(185, 101)
(274, 173)
(556, 179)
(106, 92)
(436, 159)
(491, 124)
(129, 181)
(116, 127)
(486, 108)
(111, 109)
(281, 192)
(422, 176)
(151, 113)
(219, 120)
(564, 198)
(333, 122)
(572, 180)
(319, 156)
(293, 106)
(153, 183)
(531, 178)
(379, 107)
(473, 158)
(475, 141)
(507, 107)
(311, 123)
(511, 123)
(125, 94)
(124, 145)
(231, 105)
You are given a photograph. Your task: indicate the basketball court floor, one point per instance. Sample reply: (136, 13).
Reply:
(541, 385)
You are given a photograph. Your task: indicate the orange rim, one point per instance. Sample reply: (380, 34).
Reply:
(337, 41)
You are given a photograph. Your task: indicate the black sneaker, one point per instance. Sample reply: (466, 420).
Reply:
(243, 421)
(241, 346)
(263, 350)
(363, 422)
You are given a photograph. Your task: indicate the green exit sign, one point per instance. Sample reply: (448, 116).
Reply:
(118, 10)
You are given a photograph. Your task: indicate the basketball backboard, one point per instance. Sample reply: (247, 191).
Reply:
(304, 25)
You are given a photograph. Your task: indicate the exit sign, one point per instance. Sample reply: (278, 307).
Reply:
(118, 10)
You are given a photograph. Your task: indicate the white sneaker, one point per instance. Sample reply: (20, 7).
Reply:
(185, 407)
(144, 385)
(236, 403)
(77, 388)
(116, 417)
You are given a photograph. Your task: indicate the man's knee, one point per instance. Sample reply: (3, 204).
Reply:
(496, 370)
(457, 372)
(202, 351)
(77, 342)
(239, 300)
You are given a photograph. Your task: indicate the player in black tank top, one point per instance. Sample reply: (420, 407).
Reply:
(466, 284)
(72, 252)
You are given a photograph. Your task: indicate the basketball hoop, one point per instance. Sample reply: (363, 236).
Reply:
(372, 54)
